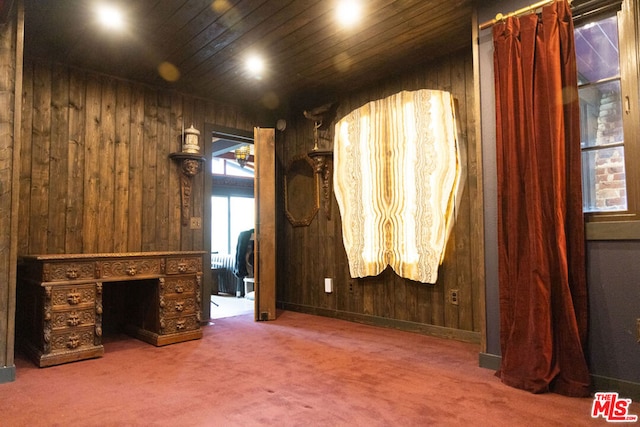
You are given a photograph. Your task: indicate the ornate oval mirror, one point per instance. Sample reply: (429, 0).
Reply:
(301, 200)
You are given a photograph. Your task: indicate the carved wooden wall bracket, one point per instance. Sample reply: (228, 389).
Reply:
(191, 164)
(323, 160)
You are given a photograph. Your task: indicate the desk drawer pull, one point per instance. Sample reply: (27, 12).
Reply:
(73, 319)
(74, 341)
(74, 297)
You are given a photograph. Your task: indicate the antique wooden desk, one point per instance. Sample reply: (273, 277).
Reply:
(60, 301)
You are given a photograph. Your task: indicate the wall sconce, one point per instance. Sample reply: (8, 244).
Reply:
(242, 155)
(323, 161)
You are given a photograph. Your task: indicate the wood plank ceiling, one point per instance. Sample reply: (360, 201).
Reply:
(306, 53)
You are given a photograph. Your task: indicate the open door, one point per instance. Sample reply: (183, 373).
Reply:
(265, 228)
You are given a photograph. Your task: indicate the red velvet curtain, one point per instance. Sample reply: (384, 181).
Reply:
(543, 300)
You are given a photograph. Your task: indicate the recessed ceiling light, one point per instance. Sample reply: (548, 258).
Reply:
(255, 66)
(110, 16)
(348, 12)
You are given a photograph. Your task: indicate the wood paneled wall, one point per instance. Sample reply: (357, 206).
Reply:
(96, 174)
(309, 254)
(11, 52)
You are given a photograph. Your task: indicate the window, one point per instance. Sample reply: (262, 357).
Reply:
(606, 40)
(230, 215)
(222, 166)
(602, 135)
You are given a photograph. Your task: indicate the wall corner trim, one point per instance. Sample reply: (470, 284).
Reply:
(7, 374)
(626, 389)
(489, 361)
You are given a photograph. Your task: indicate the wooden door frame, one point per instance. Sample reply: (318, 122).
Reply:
(207, 280)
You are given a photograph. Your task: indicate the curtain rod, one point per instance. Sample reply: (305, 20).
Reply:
(500, 17)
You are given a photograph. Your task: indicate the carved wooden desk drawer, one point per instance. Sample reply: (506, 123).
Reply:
(179, 285)
(73, 317)
(180, 324)
(63, 297)
(184, 265)
(70, 339)
(65, 271)
(127, 268)
(178, 306)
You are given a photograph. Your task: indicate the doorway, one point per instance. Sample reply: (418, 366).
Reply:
(229, 191)
(264, 235)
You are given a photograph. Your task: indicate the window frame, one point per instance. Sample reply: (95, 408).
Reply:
(622, 225)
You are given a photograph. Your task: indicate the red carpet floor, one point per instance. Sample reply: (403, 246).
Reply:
(299, 370)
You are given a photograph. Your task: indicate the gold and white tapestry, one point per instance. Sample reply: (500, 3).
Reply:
(396, 173)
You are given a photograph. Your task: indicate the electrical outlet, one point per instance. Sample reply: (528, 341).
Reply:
(453, 296)
(196, 223)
